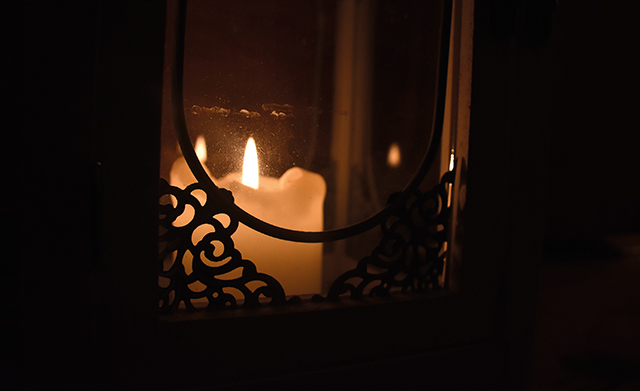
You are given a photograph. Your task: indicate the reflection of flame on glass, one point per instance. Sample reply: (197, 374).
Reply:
(201, 149)
(451, 160)
(250, 165)
(393, 158)
(449, 186)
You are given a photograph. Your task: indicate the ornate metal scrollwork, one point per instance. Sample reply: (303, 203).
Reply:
(412, 253)
(198, 259)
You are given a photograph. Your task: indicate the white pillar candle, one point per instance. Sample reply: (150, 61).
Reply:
(294, 201)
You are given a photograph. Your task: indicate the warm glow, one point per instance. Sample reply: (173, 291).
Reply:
(393, 158)
(201, 149)
(250, 165)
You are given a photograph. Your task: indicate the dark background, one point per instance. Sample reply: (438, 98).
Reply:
(594, 136)
(588, 313)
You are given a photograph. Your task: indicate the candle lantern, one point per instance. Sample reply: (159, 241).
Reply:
(307, 152)
(339, 202)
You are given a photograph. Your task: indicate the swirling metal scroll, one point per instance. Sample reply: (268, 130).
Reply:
(197, 256)
(412, 254)
(198, 260)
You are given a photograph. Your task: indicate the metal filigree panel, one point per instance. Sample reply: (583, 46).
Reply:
(198, 259)
(412, 253)
(204, 267)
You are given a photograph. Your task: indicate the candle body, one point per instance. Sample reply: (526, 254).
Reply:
(294, 201)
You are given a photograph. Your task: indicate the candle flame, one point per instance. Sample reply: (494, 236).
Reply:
(201, 149)
(250, 175)
(393, 157)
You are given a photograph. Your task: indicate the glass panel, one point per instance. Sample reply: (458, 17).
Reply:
(339, 99)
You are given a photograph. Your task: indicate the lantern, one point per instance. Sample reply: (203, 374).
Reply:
(389, 222)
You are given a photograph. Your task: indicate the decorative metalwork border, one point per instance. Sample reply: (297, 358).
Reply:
(208, 264)
(411, 255)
